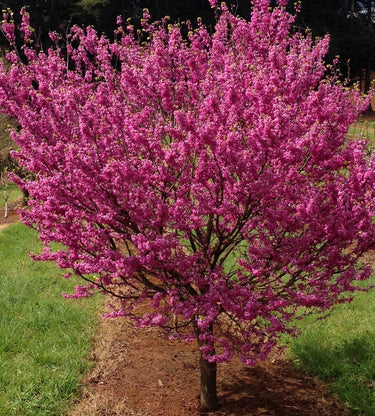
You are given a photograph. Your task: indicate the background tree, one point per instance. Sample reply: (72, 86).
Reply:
(50, 15)
(5, 190)
(361, 19)
(46, 15)
(7, 162)
(350, 24)
(206, 182)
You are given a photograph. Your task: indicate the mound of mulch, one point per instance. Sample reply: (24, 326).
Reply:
(138, 372)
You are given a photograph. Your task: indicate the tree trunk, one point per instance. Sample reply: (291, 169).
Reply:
(368, 76)
(208, 396)
(25, 197)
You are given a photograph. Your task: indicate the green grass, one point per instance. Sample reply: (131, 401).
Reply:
(340, 350)
(363, 128)
(44, 338)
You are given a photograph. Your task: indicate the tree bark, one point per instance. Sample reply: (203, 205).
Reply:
(208, 397)
(25, 197)
(368, 76)
(208, 394)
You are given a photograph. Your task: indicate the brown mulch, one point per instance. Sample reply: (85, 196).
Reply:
(138, 372)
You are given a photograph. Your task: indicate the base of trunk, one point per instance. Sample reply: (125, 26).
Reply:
(208, 397)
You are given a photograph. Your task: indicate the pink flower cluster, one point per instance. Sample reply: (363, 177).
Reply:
(207, 177)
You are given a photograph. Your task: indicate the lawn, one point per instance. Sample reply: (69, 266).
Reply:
(363, 128)
(340, 350)
(44, 338)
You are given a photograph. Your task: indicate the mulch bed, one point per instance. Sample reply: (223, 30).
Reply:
(138, 372)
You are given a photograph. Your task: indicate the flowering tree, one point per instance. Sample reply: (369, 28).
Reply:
(205, 181)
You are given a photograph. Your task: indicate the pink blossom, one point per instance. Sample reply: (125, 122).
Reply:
(8, 29)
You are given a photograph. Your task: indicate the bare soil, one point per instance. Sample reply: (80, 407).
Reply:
(141, 373)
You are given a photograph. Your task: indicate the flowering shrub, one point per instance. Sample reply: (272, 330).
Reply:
(205, 176)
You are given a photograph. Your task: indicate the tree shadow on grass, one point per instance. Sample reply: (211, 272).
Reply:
(349, 363)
